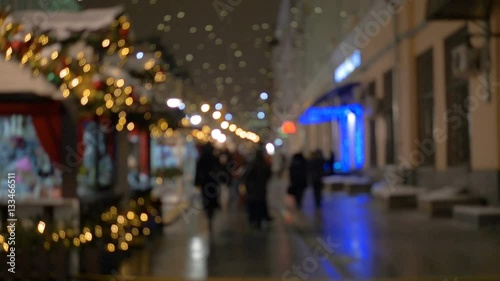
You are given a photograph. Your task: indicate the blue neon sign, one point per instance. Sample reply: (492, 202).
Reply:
(317, 115)
(348, 66)
(351, 132)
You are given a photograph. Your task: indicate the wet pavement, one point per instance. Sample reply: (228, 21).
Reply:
(351, 238)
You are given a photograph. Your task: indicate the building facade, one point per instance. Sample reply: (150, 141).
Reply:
(428, 89)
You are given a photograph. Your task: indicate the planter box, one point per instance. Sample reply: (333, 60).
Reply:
(399, 197)
(478, 216)
(358, 188)
(442, 206)
(94, 259)
(38, 264)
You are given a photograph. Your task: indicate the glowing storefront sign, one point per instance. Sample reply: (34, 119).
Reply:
(351, 132)
(348, 66)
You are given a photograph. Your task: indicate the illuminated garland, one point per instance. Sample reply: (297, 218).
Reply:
(82, 77)
(115, 231)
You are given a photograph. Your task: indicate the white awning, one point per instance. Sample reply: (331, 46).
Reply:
(63, 24)
(14, 79)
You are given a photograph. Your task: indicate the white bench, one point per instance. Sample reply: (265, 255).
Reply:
(477, 216)
(442, 205)
(358, 185)
(350, 184)
(398, 197)
(335, 182)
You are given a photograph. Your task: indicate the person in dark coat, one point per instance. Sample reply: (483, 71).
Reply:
(237, 171)
(316, 173)
(256, 180)
(331, 164)
(298, 178)
(207, 170)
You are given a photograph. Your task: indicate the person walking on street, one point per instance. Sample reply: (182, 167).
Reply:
(331, 164)
(316, 172)
(298, 178)
(207, 169)
(256, 180)
(237, 171)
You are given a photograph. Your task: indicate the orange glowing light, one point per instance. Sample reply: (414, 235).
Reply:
(289, 128)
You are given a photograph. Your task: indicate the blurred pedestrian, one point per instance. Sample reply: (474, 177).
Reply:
(207, 169)
(225, 176)
(283, 164)
(331, 164)
(298, 178)
(256, 180)
(316, 174)
(237, 170)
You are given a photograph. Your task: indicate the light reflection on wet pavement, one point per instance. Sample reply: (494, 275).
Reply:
(364, 242)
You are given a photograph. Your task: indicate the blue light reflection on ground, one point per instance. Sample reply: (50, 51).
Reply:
(355, 253)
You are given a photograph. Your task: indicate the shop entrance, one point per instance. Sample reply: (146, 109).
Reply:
(457, 92)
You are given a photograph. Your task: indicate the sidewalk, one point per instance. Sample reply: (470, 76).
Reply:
(366, 242)
(185, 251)
(376, 243)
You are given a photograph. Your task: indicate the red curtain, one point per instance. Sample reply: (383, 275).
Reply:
(47, 122)
(144, 151)
(49, 130)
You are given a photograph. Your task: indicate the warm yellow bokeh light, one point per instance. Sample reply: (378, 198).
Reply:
(41, 227)
(205, 108)
(111, 247)
(217, 115)
(130, 126)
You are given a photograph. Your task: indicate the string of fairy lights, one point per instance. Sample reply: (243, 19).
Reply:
(86, 76)
(116, 230)
(83, 77)
(222, 127)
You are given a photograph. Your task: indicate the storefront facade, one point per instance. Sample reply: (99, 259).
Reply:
(422, 112)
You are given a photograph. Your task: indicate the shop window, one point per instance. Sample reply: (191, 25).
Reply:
(165, 157)
(373, 129)
(457, 92)
(389, 115)
(96, 171)
(425, 94)
(22, 152)
(138, 160)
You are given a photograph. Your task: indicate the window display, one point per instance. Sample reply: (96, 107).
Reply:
(173, 165)
(21, 153)
(165, 158)
(96, 170)
(138, 178)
